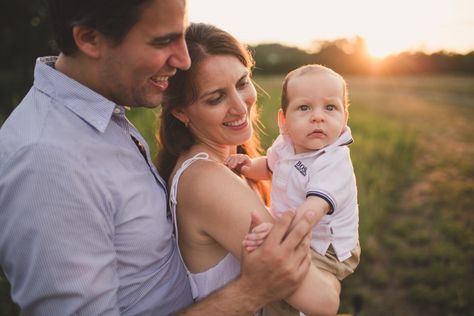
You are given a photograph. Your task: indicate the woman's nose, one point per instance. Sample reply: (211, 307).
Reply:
(239, 104)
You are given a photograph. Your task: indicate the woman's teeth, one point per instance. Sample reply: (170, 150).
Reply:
(237, 123)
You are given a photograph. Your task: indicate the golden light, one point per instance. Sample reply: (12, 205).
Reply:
(383, 48)
(388, 27)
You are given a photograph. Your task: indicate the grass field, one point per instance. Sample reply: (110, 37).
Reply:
(414, 160)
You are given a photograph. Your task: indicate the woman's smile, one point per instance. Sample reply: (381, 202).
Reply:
(240, 123)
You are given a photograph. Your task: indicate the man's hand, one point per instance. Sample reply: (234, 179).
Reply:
(275, 269)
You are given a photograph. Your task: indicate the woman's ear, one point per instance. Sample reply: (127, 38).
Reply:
(88, 40)
(282, 122)
(181, 116)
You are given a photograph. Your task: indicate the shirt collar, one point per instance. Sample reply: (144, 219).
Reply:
(92, 107)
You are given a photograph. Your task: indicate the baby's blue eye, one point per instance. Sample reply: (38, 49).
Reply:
(330, 107)
(303, 107)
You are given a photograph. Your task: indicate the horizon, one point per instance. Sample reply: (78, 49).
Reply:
(428, 26)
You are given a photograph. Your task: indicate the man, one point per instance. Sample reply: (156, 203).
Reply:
(83, 222)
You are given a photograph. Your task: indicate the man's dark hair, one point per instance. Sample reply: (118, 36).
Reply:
(113, 18)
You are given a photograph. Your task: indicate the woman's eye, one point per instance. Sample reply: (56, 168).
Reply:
(215, 100)
(243, 83)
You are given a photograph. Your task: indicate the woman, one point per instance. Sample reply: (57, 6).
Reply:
(207, 116)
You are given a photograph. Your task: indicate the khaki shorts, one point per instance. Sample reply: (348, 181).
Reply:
(331, 264)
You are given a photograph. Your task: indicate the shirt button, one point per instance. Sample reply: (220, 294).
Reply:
(117, 110)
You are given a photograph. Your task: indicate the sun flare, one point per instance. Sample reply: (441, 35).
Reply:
(389, 27)
(383, 48)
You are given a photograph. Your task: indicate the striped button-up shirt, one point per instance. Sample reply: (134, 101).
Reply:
(83, 224)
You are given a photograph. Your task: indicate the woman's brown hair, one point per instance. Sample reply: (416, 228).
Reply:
(174, 138)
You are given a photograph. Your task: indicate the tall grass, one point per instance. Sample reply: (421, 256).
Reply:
(414, 160)
(418, 244)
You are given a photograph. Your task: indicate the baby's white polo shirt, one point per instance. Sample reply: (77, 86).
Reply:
(326, 173)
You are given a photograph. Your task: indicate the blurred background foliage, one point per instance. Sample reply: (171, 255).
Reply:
(26, 34)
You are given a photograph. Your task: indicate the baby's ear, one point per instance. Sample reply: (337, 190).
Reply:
(282, 122)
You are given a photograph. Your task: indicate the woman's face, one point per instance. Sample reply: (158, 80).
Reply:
(221, 114)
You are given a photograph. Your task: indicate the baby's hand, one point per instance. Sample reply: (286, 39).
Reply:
(238, 162)
(257, 236)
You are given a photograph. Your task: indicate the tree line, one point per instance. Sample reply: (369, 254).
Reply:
(350, 56)
(26, 34)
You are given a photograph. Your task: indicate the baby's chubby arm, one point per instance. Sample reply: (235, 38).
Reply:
(315, 204)
(258, 234)
(252, 168)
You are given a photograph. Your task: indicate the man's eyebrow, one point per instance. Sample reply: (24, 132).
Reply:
(165, 38)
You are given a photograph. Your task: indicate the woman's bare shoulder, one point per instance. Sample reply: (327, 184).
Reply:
(208, 176)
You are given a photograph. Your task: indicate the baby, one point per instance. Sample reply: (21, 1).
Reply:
(311, 169)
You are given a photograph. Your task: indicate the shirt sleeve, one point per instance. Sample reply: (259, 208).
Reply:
(273, 153)
(331, 177)
(56, 235)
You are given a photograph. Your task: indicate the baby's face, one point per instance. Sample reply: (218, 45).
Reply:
(316, 114)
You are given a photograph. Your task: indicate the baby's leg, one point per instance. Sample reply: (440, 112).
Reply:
(318, 294)
(331, 279)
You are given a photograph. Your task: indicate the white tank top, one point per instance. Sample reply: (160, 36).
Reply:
(203, 283)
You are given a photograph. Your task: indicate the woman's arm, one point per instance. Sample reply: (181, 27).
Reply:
(222, 205)
(219, 202)
(270, 273)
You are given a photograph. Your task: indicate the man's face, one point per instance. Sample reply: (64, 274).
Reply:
(135, 73)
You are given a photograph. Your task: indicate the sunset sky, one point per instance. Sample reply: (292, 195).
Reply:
(388, 26)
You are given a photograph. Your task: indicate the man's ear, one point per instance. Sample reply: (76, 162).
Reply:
(181, 116)
(88, 40)
(282, 122)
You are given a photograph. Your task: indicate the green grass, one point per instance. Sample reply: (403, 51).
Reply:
(416, 219)
(145, 120)
(414, 160)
